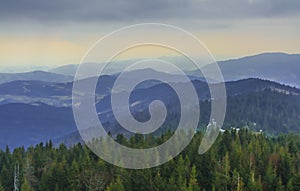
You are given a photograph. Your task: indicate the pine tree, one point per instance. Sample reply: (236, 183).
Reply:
(181, 174)
(289, 186)
(116, 186)
(29, 173)
(159, 182)
(279, 186)
(56, 188)
(74, 175)
(6, 178)
(193, 184)
(296, 182)
(270, 178)
(25, 186)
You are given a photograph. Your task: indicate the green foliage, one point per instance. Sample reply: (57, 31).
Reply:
(296, 182)
(25, 186)
(193, 183)
(237, 161)
(116, 185)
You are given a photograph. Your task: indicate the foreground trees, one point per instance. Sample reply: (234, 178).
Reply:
(237, 161)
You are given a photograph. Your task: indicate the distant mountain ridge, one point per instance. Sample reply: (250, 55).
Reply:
(35, 75)
(275, 66)
(36, 106)
(60, 94)
(39, 118)
(65, 70)
(279, 67)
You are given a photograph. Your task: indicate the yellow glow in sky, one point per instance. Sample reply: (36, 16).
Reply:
(40, 51)
(54, 51)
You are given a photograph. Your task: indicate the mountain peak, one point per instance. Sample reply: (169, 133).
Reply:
(274, 66)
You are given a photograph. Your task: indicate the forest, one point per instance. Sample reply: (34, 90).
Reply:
(238, 160)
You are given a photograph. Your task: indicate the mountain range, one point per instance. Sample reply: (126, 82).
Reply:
(39, 119)
(279, 67)
(37, 106)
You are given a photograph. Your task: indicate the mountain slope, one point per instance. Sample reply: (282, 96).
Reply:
(279, 67)
(24, 124)
(34, 111)
(275, 112)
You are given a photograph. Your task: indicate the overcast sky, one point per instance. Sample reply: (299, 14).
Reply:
(127, 10)
(58, 32)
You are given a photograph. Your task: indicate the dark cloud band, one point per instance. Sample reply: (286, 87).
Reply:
(118, 10)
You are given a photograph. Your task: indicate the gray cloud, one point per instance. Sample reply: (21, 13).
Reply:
(127, 10)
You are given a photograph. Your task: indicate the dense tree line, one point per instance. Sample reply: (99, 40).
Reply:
(237, 161)
(274, 112)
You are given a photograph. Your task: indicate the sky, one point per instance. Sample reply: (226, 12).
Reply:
(42, 33)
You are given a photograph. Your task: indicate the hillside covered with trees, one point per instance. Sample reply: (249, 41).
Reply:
(241, 160)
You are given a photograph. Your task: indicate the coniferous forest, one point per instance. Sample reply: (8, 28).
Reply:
(238, 160)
